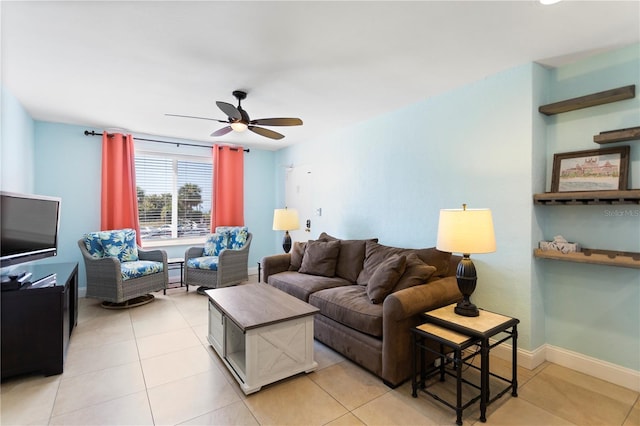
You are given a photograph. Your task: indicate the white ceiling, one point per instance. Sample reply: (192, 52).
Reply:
(118, 64)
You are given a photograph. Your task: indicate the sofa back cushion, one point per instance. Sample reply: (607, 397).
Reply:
(320, 258)
(385, 278)
(376, 253)
(350, 258)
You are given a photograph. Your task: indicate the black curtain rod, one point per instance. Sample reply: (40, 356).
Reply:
(93, 133)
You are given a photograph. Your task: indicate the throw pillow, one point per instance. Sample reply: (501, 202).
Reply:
(215, 243)
(351, 256)
(385, 278)
(320, 258)
(120, 244)
(417, 272)
(297, 254)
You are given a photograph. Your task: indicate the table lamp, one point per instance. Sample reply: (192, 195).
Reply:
(466, 231)
(285, 220)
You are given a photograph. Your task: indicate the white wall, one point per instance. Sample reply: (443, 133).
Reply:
(16, 145)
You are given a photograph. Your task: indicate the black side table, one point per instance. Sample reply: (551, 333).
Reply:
(448, 342)
(481, 329)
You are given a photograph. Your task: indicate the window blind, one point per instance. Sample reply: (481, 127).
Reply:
(174, 195)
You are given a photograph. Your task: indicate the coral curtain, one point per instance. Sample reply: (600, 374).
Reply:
(119, 204)
(228, 187)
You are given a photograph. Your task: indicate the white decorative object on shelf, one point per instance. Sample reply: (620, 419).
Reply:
(560, 244)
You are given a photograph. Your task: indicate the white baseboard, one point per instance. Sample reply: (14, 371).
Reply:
(603, 370)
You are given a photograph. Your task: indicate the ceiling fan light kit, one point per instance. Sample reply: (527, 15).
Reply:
(238, 119)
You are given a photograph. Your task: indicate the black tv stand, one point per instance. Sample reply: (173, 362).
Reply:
(37, 320)
(15, 279)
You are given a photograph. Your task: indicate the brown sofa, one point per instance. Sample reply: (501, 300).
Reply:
(369, 296)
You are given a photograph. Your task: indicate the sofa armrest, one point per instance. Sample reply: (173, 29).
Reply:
(421, 298)
(401, 311)
(274, 264)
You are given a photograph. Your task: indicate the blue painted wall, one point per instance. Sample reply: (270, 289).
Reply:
(592, 309)
(390, 176)
(486, 145)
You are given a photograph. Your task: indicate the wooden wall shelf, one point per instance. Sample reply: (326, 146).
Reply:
(619, 135)
(608, 96)
(587, 198)
(594, 256)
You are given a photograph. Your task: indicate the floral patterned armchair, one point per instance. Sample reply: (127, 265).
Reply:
(223, 261)
(119, 271)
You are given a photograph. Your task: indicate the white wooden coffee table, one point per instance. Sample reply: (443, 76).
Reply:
(262, 334)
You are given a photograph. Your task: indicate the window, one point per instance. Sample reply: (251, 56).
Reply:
(174, 195)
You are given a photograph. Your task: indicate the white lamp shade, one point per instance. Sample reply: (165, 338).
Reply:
(466, 231)
(239, 126)
(285, 219)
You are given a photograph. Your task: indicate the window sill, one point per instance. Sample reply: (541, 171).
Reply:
(172, 242)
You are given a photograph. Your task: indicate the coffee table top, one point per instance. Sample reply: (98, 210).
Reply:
(258, 305)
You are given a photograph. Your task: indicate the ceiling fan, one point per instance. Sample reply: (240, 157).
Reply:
(239, 120)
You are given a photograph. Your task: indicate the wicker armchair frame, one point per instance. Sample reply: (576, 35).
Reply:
(232, 267)
(104, 279)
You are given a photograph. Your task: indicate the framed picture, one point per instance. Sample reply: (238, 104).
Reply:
(592, 170)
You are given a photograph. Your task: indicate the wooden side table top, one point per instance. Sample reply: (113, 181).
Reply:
(444, 333)
(258, 305)
(484, 325)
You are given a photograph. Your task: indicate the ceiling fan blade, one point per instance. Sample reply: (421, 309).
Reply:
(230, 110)
(266, 132)
(223, 131)
(278, 121)
(193, 116)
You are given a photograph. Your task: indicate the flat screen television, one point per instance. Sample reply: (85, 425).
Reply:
(29, 227)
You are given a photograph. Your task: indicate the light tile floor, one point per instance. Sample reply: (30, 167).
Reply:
(153, 365)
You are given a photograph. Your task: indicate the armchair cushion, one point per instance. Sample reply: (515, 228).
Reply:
(139, 268)
(214, 244)
(236, 236)
(209, 263)
(119, 244)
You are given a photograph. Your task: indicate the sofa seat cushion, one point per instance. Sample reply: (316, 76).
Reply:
(139, 268)
(209, 263)
(350, 306)
(302, 285)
